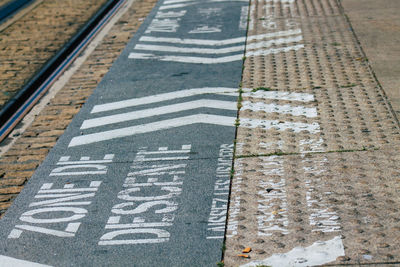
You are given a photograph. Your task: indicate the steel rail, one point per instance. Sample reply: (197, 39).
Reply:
(24, 100)
(10, 8)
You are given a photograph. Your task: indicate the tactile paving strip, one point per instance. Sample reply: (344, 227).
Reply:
(282, 202)
(309, 48)
(317, 145)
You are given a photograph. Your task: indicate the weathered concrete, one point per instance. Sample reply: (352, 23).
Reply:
(377, 27)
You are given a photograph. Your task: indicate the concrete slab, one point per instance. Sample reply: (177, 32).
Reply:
(377, 26)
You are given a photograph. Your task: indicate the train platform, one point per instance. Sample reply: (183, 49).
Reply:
(214, 133)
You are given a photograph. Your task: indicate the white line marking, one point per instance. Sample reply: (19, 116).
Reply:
(279, 95)
(175, 6)
(176, 1)
(188, 59)
(283, 109)
(145, 113)
(8, 261)
(280, 125)
(273, 51)
(196, 50)
(265, 44)
(188, 3)
(163, 97)
(151, 127)
(192, 41)
(321, 252)
(273, 35)
(218, 42)
(243, 18)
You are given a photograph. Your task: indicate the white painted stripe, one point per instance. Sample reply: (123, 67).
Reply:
(176, 1)
(195, 50)
(218, 42)
(279, 95)
(273, 51)
(279, 125)
(45, 231)
(282, 109)
(145, 113)
(137, 225)
(270, 43)
(175, 6)
(12, 262)
(187, 59)
(164, 152)
(272, 35)
(151, 127)
(214, 237)
(163, 97)
(160, 159)
(320, 252)
(243, 18)
(192, 41)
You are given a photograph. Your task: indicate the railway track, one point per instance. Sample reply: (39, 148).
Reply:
(50, 66)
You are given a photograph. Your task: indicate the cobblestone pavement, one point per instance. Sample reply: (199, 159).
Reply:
(317, 167)
(29, 42)
(19, 163)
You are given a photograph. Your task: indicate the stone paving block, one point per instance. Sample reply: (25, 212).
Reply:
(34, 38)
(279, 203)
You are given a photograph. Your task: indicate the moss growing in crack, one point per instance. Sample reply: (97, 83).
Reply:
(220, 264)
(348, 85)
(237, 122)
(261, 89)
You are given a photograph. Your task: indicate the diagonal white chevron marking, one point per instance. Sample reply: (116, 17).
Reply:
(145, 113)
(279, 95)
(188, 59)
(188, 3)
(265, 52)
(216, 60)
(282, 109)
(164, 97)
(269, 43)
(195, 50)
(12, 262)
(279, 125)
(151, 127)
(218, 42)
(320, 252)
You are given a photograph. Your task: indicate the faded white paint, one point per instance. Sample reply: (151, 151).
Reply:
(152, 127)
(266, 52)
(194, 50)
(279, 95)
(187, 59)
(163, 97)
(145, 113)
(127, 224)
(296, 127)
(320, 252)
(60, 208)
(243, 18)
(13, 262)
(269, 220)
(219, 205)
(282, 109)
(206, 29)
(269, 43)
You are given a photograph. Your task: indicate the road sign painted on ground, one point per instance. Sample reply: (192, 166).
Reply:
(141, 176)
